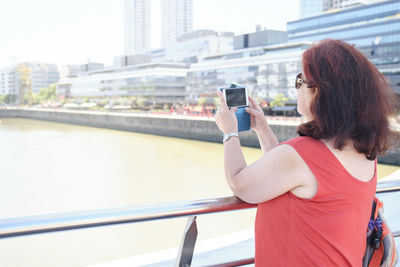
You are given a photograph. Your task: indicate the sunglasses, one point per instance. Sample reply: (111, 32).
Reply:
(300, 81)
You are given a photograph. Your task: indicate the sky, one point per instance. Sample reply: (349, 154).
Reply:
(79, 31)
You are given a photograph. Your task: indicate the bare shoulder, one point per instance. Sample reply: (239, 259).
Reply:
(283, 151)
(286, 155)
(292, 166)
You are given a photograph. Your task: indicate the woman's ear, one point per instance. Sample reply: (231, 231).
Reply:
(315, 92)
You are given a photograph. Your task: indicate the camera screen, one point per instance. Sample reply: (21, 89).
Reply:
(235, 97)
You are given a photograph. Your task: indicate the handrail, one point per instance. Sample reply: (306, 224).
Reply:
(102, 217)
(85, 219)
(389, 186)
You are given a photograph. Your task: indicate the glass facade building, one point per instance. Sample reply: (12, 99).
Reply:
(265, 71)
(374, 29)
(157, 82)
(309, 8)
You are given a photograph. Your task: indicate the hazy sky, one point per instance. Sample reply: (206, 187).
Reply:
(75, 31)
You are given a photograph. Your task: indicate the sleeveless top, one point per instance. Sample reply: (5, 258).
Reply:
(327, 230)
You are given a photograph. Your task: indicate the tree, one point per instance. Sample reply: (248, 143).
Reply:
(45, 94)
(201, 101)
(25, 83)
(28, 98)
(7, 99)
(279, 101)
(140, 101)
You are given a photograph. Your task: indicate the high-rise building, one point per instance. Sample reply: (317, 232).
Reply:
(309, 8)
(137, 26)
(373, 28)
(176, 18)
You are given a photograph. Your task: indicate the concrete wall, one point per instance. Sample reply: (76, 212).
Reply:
(196, 128)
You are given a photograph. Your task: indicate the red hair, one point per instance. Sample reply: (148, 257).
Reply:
(353, 100)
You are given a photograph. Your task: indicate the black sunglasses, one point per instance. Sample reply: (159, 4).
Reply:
(300, 81)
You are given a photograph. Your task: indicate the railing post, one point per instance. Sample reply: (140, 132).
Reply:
(185, 254)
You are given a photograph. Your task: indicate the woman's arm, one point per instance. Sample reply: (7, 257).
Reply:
(275, 173)
(267, 139)
(226, 121)
(278, 171)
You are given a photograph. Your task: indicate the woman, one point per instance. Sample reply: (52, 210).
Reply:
(315, 191)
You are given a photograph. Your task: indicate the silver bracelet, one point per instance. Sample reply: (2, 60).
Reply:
(228, 136)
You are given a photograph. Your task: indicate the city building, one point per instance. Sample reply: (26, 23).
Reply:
(266, 71)
(121, 61)
(9, 82)
(136, 26)
(159, 83)
(69, 71)
(309, 8)
(259, 38)
(176, 20)
(372, 28)
(332, 4)
(350, 3)
(41, 75)
(91, 66)
(37, 76)
(193, 46)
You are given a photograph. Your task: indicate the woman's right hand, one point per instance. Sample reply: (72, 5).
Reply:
(258, 122)
(225, 118)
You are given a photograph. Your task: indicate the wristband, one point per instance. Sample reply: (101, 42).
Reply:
(228, 136)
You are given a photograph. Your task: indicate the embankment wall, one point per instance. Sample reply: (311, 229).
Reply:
(197, 128)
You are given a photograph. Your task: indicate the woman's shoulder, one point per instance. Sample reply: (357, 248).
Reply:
(308, 148)
(294, 150)
(302, 141)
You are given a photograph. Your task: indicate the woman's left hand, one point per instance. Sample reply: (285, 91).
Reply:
(258, 122)
(225, 118)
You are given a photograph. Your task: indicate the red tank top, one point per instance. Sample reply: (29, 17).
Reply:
(326, 230)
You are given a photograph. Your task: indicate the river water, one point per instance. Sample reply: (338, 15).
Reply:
(52, 167)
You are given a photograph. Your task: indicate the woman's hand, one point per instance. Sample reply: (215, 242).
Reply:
(225, 118)
(258, 122)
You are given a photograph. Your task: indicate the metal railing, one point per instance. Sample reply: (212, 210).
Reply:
(22, 226)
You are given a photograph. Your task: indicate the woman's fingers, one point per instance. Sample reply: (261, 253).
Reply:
(254, 104)
(253, 111)
(222, 100)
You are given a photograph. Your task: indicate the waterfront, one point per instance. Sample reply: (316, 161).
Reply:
(52, 167)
